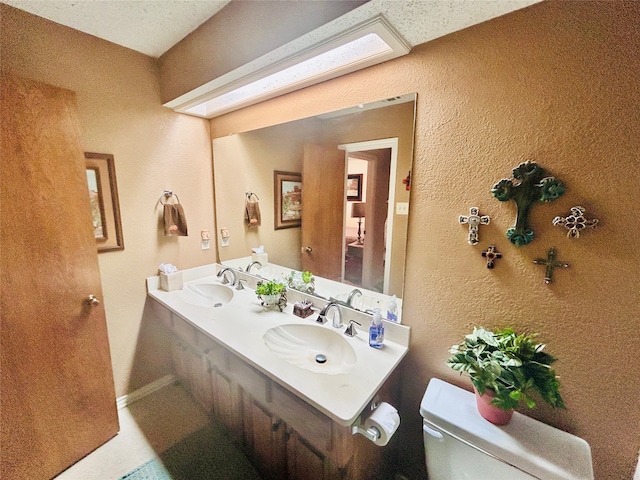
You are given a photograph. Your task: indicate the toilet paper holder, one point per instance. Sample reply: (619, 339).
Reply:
(380, 425)
(372, 433)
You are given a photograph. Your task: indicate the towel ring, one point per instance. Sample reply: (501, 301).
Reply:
(250, 194)
(168, 194)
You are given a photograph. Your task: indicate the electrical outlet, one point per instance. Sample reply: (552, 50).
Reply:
(402, 208)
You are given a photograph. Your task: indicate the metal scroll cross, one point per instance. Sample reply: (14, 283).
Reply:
(474, 220)
(550, 262)
(491, 254)
(575, 222)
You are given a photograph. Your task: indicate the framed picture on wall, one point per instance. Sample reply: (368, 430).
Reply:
(103, 198)
(287, 199)
(354, 187)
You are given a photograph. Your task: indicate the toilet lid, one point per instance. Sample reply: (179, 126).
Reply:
(532, 446)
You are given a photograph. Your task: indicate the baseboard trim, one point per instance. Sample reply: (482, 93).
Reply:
(148, 389)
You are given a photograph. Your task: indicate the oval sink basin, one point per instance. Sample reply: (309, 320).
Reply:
(206, 294)
(312, 348)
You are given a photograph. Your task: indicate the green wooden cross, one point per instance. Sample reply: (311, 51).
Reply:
(550, 262)
(529, 185)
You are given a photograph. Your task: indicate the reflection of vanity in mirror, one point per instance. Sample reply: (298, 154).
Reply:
(355, 166)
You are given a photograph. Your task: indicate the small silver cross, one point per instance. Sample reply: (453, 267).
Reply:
(575, 222)
(474, 220)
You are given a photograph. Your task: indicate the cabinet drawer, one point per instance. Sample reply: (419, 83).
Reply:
(312, 424)
(184, 330)
(161, 313)
(250, 379)
(215, 352)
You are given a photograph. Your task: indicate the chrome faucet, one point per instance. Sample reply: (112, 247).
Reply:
(336, 321)
(252, 264)
(225, 280)
(351, 330)
(352, 294)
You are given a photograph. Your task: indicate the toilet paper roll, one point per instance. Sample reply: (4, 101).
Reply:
(386, 419)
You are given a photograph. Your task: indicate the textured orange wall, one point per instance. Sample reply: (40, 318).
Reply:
(118, 92)
(557, 83)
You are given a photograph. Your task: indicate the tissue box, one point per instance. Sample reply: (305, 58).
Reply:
(263, 258)
(171, 281)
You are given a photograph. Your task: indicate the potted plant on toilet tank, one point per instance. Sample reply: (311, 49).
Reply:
(506, 370)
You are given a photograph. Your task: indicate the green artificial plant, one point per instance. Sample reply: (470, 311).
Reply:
(302, 281)
(512, 366)
(271, 287)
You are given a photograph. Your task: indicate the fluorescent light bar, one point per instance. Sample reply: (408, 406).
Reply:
(367, 44)
(318, 67)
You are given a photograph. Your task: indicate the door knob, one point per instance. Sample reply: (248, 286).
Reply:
(306, 249)
(92, 301)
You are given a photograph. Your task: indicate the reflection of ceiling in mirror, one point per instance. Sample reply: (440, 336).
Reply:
(363, 107)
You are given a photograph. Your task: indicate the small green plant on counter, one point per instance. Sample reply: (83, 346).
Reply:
(511, 365)
(270, 287)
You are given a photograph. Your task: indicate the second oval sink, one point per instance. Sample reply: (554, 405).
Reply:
(206, 294)
(312, 348)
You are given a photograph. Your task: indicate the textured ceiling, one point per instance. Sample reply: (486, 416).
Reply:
(148, 26)
(153, 26)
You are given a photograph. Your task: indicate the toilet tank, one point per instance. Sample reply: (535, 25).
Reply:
(460, 444)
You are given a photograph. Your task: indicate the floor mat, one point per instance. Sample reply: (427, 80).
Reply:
(207, 454)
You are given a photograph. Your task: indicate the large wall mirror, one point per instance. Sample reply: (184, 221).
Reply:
(355, 166)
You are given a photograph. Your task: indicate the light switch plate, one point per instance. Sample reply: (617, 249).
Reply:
(205, 237)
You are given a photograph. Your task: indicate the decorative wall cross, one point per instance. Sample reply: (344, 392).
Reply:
(407, 181)
(575, 222)
(550, 262)
(527, 187)
(474, 220)
(491, 254)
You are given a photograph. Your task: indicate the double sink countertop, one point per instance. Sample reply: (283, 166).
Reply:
(241, 324)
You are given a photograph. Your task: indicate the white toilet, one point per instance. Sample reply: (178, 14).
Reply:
(460, 444)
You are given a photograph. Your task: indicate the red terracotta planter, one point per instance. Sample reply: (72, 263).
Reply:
(489, 412)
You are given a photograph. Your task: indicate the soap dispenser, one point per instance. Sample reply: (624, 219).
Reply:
(376, 330)
(392, 310)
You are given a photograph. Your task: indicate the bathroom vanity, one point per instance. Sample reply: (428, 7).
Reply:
(293, 419)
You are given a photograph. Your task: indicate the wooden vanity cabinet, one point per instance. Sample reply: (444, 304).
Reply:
(285, 437)
(265, 436)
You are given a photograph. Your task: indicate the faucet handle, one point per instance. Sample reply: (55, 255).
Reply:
(321, 319)
(351, 331)
(239, 285)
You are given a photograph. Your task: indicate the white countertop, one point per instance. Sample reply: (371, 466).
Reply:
(325, 288)
(240, 325)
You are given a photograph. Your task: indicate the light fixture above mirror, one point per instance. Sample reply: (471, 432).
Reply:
(366, 44)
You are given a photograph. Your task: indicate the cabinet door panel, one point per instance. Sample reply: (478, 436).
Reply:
(304, 462)
(265, 436)
(302, 417)
(227, 402)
